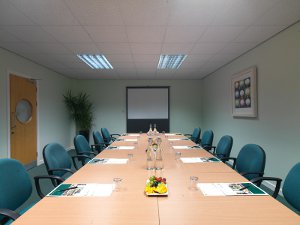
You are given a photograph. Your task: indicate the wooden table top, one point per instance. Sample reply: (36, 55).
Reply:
(182, 206)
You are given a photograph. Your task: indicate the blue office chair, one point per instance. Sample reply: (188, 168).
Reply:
(107, 137)
(83, 149)
(207, 139)
(15, 189)
(58, 161)
(99, 143)
(250, 161)
(290, 188)
(195, 136)
(223, 148)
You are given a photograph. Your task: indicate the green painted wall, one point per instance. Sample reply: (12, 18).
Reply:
(53, 121)
(109, 97)
(277, 127)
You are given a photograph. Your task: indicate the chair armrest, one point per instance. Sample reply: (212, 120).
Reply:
(209, 148)
(54, 179)
(278, 181)
(247, 173)
(78, 158)
(220, 156)
(9, 213)
(94, 147)
(60, 169)
(87, 153)
(225, 159)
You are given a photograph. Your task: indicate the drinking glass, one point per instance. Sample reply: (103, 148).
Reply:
(193, 182)
(117, 183)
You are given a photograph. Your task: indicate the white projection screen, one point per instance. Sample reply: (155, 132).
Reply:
(147, 105)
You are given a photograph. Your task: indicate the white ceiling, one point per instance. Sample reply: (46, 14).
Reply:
(133, 33)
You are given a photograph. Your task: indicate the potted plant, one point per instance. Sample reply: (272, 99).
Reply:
(81, 111)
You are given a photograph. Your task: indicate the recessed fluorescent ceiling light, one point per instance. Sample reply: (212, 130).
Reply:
(96, 61)
(170, 61)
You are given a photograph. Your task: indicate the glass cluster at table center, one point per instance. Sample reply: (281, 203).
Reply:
(154, 154)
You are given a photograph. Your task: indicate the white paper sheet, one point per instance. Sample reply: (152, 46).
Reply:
(134, 135)
(83, 190)
(186, 147)
(230, 189)
(123, 148)
(108, 161)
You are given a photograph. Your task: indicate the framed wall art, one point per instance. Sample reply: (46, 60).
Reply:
(244, 93)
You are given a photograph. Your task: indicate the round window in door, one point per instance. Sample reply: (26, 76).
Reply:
(24, 111)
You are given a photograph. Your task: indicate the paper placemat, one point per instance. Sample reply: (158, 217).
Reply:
(230, 189)
(187, 147)
(121, 147)
(108, 161)
(199, 159)
(82, 190)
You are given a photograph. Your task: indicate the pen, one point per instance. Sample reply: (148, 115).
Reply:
(245, 187)
(66, 189)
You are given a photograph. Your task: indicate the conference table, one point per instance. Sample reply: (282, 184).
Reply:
(182, 205)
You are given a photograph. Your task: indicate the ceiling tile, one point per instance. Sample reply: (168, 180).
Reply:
(193, 12)
(30, 33)
(221, 33)
(114, 48)
(7, 37)
(119, 66)
(46, 12)
(20, 48)
(107, 33)
(242, 12)
(145, 48)
(51, 48)
(183, 34)
(94, 12)
(145, 34)
(145, 58)
(68, 34)
(118, 58)
(9, 15)
(238, 48)
(176, 48)
(149, 66)
(144, 12)
(197, 58)
(256, 34)
(80, 48)
(207, 48)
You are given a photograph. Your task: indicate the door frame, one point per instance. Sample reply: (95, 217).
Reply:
(20, 74)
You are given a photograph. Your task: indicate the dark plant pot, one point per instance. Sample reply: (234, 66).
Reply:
(85, 133)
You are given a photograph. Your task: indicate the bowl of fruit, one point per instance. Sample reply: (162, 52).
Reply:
(156, 186)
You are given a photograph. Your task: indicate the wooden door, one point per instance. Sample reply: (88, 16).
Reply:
(23, 120)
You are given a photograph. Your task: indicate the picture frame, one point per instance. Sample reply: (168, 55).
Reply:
(244, 93)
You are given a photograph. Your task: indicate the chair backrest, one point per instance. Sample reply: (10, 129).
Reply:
(251, 159)
(81, 146)
(207, 138)
(291, 187)
(224, 146)
(98, 141)
(15, 184)
(55, 156)
(106, 135)
(196, 135)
